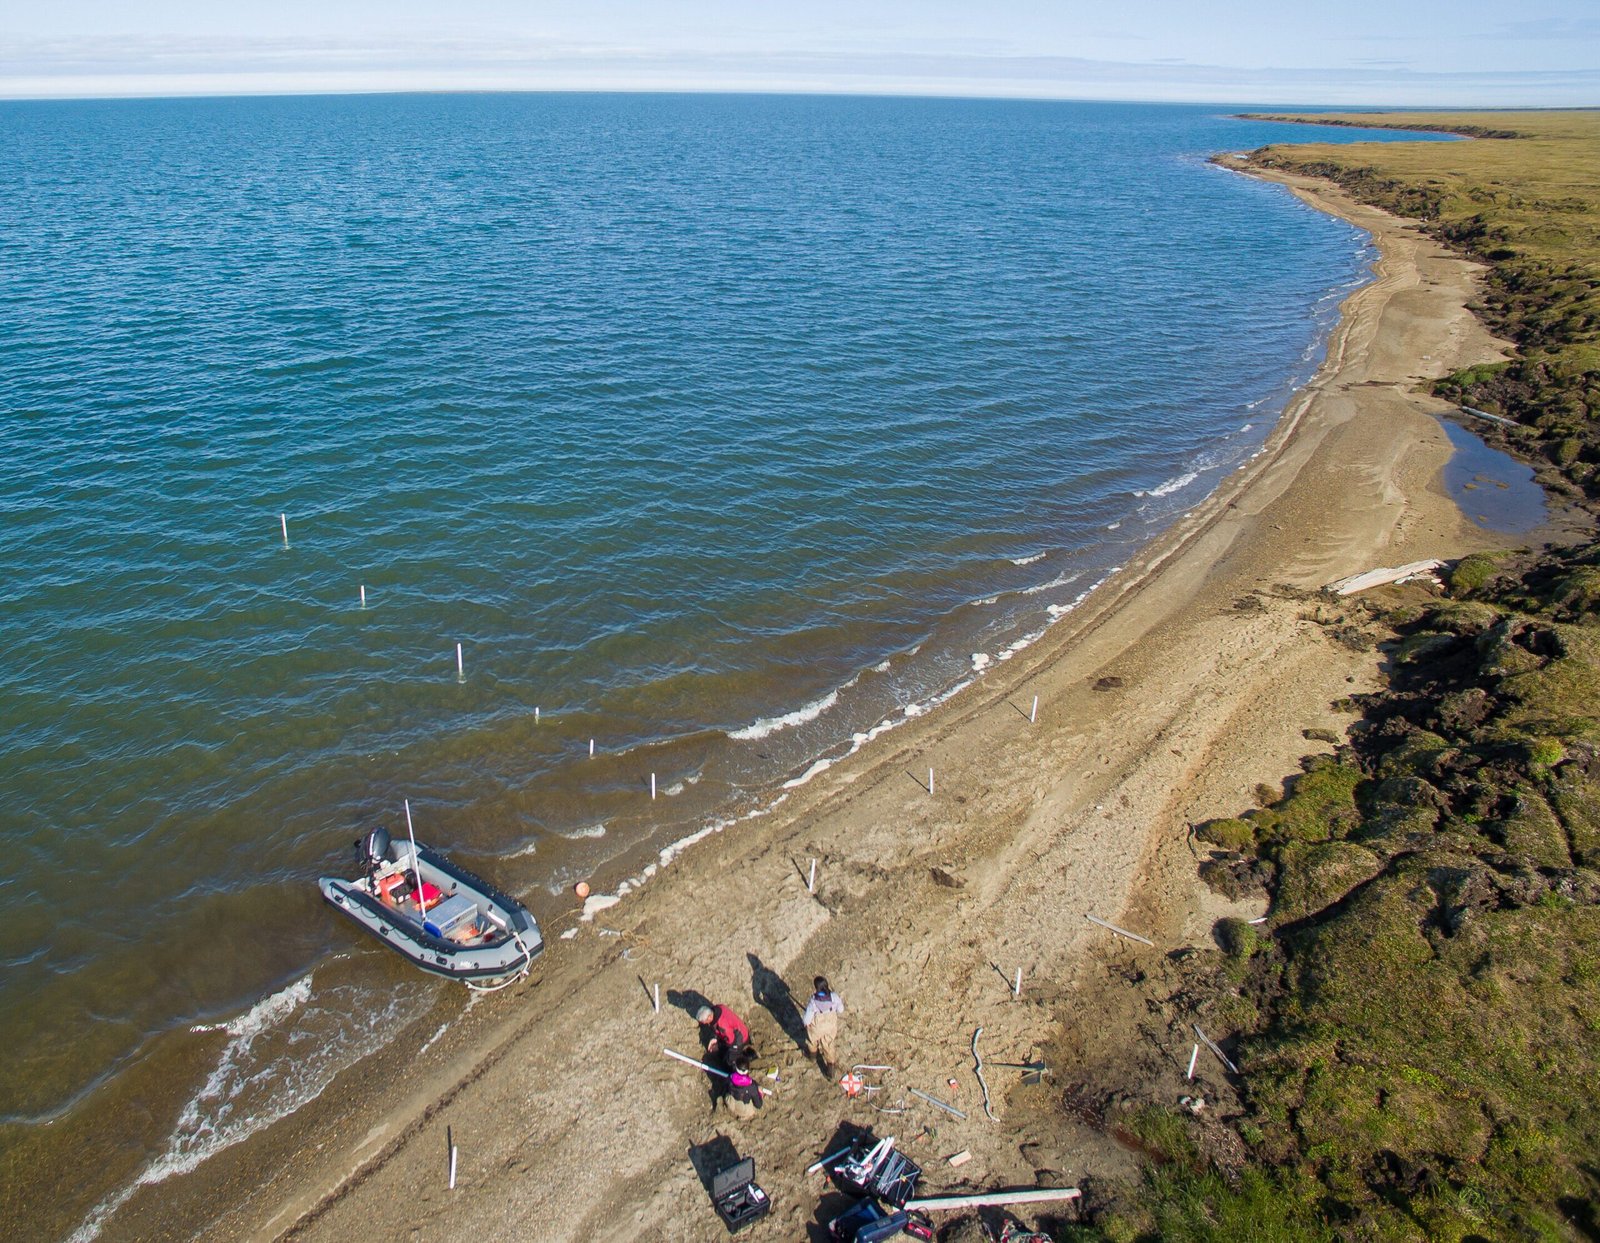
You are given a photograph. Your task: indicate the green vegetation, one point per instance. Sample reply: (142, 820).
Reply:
(1418, 1022)
(1525, 200)
(1419, 1019)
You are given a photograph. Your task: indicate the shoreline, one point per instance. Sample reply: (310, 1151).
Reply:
(1009, 800)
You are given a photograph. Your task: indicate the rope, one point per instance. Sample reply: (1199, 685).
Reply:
(527, 962)
(977, 1069)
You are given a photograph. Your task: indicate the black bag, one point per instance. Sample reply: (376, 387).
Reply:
(736, 1197)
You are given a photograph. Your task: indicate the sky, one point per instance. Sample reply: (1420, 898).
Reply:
(1446, 53)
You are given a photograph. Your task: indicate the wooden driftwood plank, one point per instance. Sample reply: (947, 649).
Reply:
(1039, 1196)
(1383, 574)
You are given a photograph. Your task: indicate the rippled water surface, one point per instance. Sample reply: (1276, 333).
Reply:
(721, 431)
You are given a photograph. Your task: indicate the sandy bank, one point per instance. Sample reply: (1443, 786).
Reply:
(1177, 687)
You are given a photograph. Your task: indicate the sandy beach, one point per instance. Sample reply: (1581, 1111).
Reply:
(1163, 701)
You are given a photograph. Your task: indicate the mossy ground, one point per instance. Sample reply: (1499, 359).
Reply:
(1418, 1022)
(1421, 1013)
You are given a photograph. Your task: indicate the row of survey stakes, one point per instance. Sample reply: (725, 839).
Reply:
(461, 669)
(461, 676)
(582, 891)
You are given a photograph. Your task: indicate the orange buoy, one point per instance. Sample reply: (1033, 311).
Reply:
(581, 889)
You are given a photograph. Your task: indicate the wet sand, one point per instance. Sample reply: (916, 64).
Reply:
(1176, 688)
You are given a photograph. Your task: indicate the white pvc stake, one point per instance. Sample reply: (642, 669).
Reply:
(657, 1000)
(1034, 715)
(811, 884)
(1121, 932)
(591, 748)
(283, 519)
(536, 716)
(691, 1061)
(461, 675)
(452, 1167)
(1016, 989)
(1193, 1057)
(652, 785)
(930, 781)
(416, 865)
(1212, 1045)
(363, 595)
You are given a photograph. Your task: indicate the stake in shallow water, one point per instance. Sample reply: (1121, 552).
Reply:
(283, 520)
(461, 675)
(363, 595)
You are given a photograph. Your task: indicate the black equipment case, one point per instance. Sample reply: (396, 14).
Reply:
(737, 1199)
(893, 1179)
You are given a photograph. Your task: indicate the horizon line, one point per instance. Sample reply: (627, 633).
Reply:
(819, 92)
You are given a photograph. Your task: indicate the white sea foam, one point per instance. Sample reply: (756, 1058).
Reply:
(771, 725)
(1172, 485)
(265, 1013)
(672, 851)
(981, 661)
(1058, 611)
(817, 766)
(857, 741)
(1038, 556)
(1021, 644)
(589, 832)
(597, 902)
(1061, 580)
(279, 1056)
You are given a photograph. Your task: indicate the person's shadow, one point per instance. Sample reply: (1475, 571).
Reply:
(773, 995)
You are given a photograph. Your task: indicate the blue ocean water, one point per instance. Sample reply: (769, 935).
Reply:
(721, 431)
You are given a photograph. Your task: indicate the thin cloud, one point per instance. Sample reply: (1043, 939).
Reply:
(155, 65)
(1562, 29)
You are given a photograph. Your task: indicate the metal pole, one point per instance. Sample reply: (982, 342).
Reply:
(416, 864)
(692, 1062)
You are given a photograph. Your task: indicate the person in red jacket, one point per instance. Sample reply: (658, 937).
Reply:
(728, 1033)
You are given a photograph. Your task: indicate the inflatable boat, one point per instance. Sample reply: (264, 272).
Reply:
(440, 916)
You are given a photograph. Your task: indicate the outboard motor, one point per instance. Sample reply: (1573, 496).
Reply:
(373, 849)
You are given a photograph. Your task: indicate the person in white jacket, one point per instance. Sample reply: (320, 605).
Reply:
(822, 1025)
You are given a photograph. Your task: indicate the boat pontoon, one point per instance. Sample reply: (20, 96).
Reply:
(440, 916)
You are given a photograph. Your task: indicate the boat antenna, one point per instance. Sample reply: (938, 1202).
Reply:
(416, 866)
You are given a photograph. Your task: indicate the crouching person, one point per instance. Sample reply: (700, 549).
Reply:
(744, 1094)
